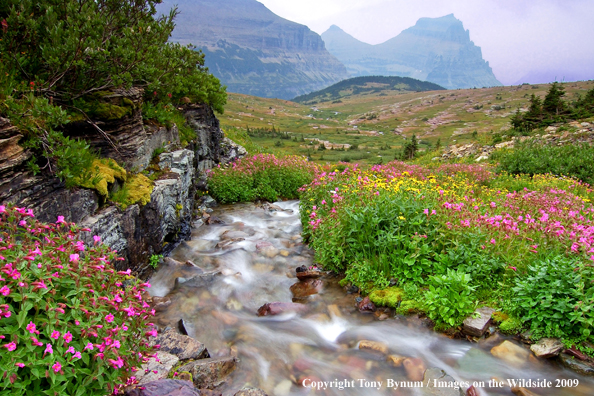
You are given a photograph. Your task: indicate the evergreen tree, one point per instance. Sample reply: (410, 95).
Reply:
(553, 104)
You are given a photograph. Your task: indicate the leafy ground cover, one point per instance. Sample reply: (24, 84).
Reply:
(69, 322)
(262, 176)
(455, 237)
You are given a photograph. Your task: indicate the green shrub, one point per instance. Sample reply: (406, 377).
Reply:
(449, 299)
(571, 160)
(71, 324)
(556, 298)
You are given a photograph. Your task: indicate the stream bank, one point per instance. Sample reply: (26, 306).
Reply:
(216, 283)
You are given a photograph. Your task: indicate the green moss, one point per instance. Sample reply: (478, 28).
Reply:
(108, 111)
(104, 171)
(141, 188)
(511, 325)
(408, 307)
(389, 297)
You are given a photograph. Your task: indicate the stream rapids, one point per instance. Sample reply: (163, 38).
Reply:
(252, 257)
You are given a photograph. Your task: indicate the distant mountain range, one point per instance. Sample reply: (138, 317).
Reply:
(252, 50)
(438, 50)
(367, 85)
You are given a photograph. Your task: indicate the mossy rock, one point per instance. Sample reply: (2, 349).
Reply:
(104, 171)
(108, 111)
(408, 307)
(389, 297)
(140, 189)
(511, 325)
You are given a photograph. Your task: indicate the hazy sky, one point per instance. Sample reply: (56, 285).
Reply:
(537, 38)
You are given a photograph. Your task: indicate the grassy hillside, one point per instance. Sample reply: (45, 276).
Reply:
(377, 124)
(367, 85)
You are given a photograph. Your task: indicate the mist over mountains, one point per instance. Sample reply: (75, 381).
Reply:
(437, 50)
(252, 50)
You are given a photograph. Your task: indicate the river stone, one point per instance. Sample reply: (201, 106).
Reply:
(165, 387)
(436, 374)
(283, 388)
(511, 353)
(180, 345)
(210, 373)
(522, 392)
(247, 391)
(576, 365)
(156, 368)
(308, 273)
(414, 367)
(234, 236)
(277, 308)
(306, 288)
(547, 348)
(395, 360)
(476, 324)
(373, 346)
(366, 306)
(201, 280)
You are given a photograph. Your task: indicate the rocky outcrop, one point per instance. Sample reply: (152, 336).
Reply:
(252, 50)
(117, 131)
(438, 50)
(573, 133)
(138, 231)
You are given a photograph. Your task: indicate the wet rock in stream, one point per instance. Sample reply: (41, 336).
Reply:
(433, 376)
(180, 345)
(277, 308)
(306, 288)
(547, 348)
(366, 306)
(210, 373)
(251, 392)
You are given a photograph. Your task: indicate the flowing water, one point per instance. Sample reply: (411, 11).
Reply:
(251, 259)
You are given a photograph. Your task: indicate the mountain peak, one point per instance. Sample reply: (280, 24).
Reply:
(254, 51)
(438, 50)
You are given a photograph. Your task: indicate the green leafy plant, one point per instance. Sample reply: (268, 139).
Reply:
(449, 299)
(154, 260)
(70, 323)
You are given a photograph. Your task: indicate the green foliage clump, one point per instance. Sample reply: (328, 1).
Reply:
(449, 299)
(71, 323)
(556, 298)
(389, 297)
(262, 176)
(531, 159)
(511, 326)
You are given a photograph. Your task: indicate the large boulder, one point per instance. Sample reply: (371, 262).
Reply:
(156, 368)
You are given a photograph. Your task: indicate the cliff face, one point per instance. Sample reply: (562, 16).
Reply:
(438, 50)
(252, 50)
(137, 232)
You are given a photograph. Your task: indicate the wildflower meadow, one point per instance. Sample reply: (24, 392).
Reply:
(452, 238)
(69, 322)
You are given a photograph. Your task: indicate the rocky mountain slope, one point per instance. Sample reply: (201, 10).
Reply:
(438, 50)
(252, 50)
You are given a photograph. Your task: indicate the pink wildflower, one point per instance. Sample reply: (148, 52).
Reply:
(11, 346)
(31, 327)
(67, 337)
(60, 220)
(5, 291)
(55, 334)
(74, 257)
(21, 365)
(57, 367)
